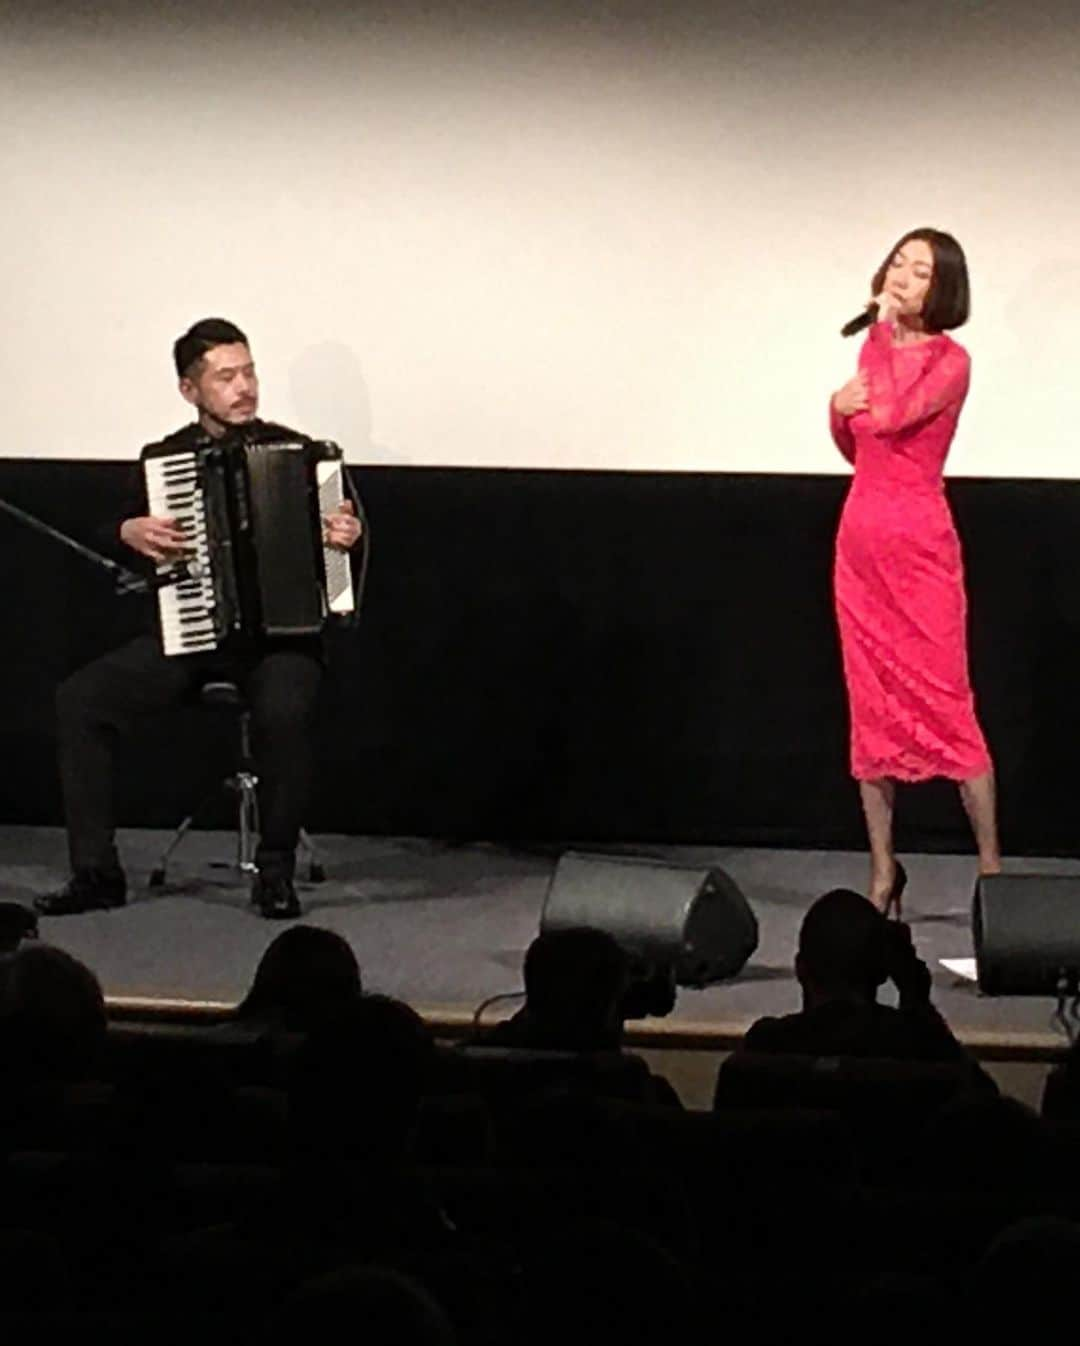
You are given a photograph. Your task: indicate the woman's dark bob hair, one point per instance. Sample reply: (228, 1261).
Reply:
(948, 301)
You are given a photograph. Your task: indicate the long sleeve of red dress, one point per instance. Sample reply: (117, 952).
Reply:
(899, 402)
(898, 575)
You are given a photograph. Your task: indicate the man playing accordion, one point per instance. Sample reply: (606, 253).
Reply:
(280, 673)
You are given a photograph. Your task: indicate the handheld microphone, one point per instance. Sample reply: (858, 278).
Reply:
(865, 318)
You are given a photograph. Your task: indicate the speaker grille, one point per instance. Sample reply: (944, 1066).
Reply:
(693, 920)
(1026, 929)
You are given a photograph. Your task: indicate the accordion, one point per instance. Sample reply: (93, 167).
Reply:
(258, 566)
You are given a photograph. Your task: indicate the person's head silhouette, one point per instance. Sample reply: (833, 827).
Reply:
(843, 949)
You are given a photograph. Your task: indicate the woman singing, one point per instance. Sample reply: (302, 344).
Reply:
(899, 577)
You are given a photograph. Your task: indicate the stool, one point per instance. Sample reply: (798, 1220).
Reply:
(243, 783)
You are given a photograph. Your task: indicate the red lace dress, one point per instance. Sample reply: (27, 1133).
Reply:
(898, 576)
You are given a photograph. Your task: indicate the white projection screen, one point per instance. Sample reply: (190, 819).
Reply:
(590, 236)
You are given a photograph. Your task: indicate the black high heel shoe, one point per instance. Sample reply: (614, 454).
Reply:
(895, 894)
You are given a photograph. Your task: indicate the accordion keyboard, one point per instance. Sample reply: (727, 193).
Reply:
(186, 610)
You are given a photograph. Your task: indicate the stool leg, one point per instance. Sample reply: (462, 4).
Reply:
(245, 783)
(316, 872)
(157, 874)
(247, 762)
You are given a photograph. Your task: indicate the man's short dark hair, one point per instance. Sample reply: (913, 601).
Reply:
(574, 975)
(843, 943)
(52, 1013)
(948, 300)
(304, 976)
(201, 337)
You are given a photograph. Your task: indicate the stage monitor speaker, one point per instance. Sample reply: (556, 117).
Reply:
(1027, 934)
(695, 921)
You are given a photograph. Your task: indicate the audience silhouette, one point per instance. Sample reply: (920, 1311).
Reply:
(417, 1193)
(388, 1307)
(16, 924)
(1022, 1288)
(357, 1081)
(575, 983)
(847, 951)
(1061, 1093)
(306, 976)
(52, 1014)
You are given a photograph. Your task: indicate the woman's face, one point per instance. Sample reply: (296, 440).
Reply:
(909, 274)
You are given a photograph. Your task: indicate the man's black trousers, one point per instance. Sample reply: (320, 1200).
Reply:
(103, 702)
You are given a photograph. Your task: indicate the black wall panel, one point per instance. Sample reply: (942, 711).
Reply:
(578, 656)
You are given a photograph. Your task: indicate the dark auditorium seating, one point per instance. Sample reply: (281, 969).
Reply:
(857, 1087)
(167, 1192)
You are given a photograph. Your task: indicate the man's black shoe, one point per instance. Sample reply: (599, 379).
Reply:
(86, 890)
(275, 897)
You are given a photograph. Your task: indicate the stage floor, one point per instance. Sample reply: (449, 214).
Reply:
(445, 926)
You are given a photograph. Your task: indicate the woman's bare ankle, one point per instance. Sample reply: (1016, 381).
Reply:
(882, 877)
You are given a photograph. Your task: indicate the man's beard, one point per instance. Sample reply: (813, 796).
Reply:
(241, 419)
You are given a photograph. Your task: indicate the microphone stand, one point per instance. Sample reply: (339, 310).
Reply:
(125, 581)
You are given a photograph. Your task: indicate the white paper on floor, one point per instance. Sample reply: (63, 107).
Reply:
(961, 967)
